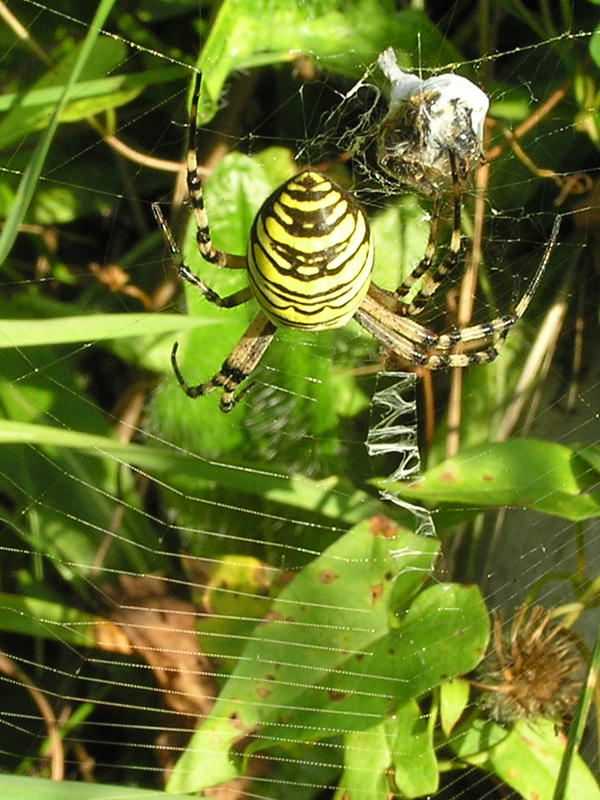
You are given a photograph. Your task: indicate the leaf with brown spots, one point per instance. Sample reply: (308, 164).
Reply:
(316, 628)
(376, 592)
(380, 525)
(529, 473)
(327, 576)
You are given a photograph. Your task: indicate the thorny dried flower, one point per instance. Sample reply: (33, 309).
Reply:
(533, 670)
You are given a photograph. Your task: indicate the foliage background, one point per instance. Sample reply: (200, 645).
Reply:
(145, 535)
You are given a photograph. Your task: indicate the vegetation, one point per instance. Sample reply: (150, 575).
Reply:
(169, 569)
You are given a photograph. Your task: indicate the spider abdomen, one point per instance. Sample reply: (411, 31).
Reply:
(310, 254)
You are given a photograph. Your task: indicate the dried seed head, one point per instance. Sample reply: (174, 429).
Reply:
(534, 669)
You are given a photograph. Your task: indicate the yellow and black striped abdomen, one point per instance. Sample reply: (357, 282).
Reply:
(310, 254)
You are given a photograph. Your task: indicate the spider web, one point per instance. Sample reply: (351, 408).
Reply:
(152, 546)
(393, 430)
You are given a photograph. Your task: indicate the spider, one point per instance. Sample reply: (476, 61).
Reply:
(309, 262)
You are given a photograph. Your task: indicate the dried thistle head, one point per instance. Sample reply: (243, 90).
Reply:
(534, 668)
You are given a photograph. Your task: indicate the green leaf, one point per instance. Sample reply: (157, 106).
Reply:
(326, 661)
(400, 747)
(92, 328)
(343, 36)
(32, 172)
(39, 618)
(454, 696)
(595, 46)
(305, 639)
(412, 750)
(18, 787)
(526, 473)
(399, 229)
(367, 758)
(444, 633)
(527, 758)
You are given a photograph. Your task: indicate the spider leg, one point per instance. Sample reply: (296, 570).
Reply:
(404, 336)
(235, 299)
(393, 300)
(434, 276)
(203, 239)
(425, 263)
(236, 367)
(418, 345)
(500, 325)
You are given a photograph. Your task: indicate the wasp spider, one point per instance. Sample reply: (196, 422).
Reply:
(309, 262)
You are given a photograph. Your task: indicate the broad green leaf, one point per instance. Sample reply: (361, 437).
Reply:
(595, 46)
(402, 229)
(454, 696)
(443, 634)
(413, 754)
(338, 605)
(367, 759)
(527, 758)
(306, 694)
(397, 752)
(526, 473)
(343, 37)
